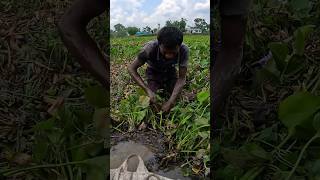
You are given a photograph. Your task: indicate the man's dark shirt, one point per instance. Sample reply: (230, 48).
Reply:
(151, 55)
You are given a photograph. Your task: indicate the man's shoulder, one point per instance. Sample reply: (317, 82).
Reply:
(149, 48)
(184, 47)
(151, 44)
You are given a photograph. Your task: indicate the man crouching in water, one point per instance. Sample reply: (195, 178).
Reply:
(162, 55)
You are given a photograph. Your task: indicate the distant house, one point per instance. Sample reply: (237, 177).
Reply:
(142, 33)
(193, 30)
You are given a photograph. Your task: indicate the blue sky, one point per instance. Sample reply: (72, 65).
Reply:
(143, 13)
(151, 6)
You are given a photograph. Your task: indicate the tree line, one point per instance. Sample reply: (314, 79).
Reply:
(200, 25)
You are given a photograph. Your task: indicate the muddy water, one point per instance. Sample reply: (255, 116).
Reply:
(122, 150)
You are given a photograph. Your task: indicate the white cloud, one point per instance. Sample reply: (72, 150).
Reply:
(134, 12)
(202, 5)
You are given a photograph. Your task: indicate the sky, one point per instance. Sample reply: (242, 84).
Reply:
(142, 13)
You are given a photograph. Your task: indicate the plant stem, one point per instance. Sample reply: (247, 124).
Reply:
(301, 154)
(284, 141)
(204, 109)
(189, 134)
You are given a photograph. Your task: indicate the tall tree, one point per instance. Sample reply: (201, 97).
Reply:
(119, 27)
(154, 30)
(182, 24)
(178, 24)
(201, 24)
(132, 30)
(120, 30)
(147, 29)
(168, 23)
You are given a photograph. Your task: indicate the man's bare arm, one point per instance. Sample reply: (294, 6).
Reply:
(132, 68)
(72, 28)
(179, 84)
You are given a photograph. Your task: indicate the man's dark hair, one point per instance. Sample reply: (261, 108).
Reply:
(170, 37)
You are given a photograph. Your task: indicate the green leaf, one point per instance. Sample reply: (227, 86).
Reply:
(97, 96)
(268, 73)
(240, 158)
(203, 96)
(144, 101)
(204, 134)
(202, 121)
(267, 134)
(255, 150)
(140, 115)
(300, 36)
(185, 119)
(44, 125)
(141, 92)
(298, 108)
(280, 52)
(200, 153)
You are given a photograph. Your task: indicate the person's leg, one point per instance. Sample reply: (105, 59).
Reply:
(228, 60)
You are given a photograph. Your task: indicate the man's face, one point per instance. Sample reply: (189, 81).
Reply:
(169, 53)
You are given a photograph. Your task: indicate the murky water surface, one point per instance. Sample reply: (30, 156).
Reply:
(120, 151)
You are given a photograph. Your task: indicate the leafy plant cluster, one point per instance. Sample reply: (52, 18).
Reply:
(287, 146)
(70, 144)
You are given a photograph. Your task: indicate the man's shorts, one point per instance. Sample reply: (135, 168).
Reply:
(161, 80)
(232, 7)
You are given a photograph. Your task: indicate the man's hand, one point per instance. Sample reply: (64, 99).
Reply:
(166, 107)
(132, 69)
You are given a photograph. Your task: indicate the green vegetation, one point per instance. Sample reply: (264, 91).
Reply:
(270, 129)
(50, 125)
(187, 126)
